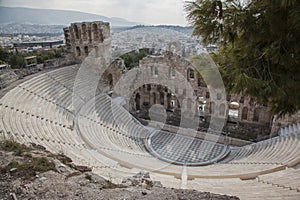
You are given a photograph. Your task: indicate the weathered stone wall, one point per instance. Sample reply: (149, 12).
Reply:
(81, 38)
(248, 111)
(284, 121)
(112, 75)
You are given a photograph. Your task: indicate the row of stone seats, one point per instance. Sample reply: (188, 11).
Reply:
(290, 129)
(30, 102)
(36, 112)
(245, 189)
(42, 120)
(283, 150)
(7, 77)
(101, 118)
(43, 85)
(288, 178)
(29, 129)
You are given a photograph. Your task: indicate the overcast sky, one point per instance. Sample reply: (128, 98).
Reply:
(146, 11)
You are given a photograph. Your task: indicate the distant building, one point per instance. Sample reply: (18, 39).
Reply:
(49, 44)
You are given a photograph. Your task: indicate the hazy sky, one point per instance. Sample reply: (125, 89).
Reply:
(146, 11)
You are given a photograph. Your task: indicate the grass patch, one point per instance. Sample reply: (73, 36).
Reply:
(15, 147)
(29, 168)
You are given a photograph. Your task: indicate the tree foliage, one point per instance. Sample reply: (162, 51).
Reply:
(16, 59)
(258, 47)
(131, 59)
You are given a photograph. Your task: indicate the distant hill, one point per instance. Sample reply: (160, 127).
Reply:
(20, 15)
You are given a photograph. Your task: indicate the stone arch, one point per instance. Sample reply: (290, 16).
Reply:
(84, 31)
(242, 99)
(162, 98)
(245, 113)
(256, 114)
(207, 95)
(190, 74)
(228, 97)
(137, 101)
(95, 32)
(90, 35)
(148, 87)
(101, 35)
(78, 51)
(76, 31)
(169, 96)
(154, 97)
(110, 80)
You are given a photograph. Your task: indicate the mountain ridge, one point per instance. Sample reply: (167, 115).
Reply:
(24, 15)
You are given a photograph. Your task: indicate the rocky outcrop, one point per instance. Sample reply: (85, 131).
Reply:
(55, 177)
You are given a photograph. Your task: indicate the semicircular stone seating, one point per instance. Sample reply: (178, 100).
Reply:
(104, 136)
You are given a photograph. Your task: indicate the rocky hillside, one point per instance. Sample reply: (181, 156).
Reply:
(34, 173)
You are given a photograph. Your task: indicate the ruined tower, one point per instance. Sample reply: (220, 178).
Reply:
(82, 37)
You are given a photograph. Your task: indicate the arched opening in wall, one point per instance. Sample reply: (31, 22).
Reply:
(207, 95)
(201, 106)
(78, 51)
(256, 114)
(148, 87)
(242, 99)
(245, 113)
(137, 102)
(212, 106)
(84, 32)
(222, 110)
(90, 35)
(170, 106)
(228, 97)
(110, 80)
(76, 31)
(86, 50)
(154, 97)
(172, 102)
(95, 32)
(233, 112)
(101, 35)
(162, 98)
(190, 74)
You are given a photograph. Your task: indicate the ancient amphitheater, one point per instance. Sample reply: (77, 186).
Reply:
(95, 130)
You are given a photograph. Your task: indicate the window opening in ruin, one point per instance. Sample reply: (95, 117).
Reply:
(256, 115)
(245, 113)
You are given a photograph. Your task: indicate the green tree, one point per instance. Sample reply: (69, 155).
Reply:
(16, 61)
(258, 47)
(4, 54)
(131, 59)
